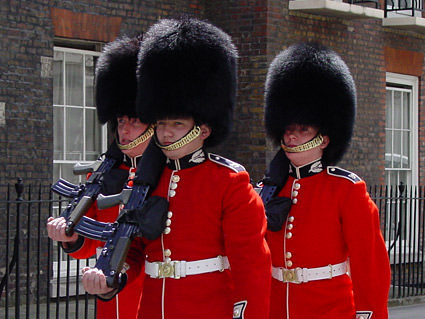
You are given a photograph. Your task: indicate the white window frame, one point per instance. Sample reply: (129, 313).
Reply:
(62, 262)
(104, 128)
(413, 82)
(408, 248)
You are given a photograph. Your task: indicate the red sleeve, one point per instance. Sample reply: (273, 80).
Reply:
(369, 263)
(89, 246)
(135, 259)
(244, 226)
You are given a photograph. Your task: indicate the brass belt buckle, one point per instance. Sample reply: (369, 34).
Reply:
(167, 270)
(290, 275)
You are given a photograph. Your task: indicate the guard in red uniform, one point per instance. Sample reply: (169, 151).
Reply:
(115, 101)
(329, 258)
(212, 260)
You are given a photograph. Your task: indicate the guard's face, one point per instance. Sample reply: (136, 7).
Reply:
(169, 131)
(130, 128)
(295, 135)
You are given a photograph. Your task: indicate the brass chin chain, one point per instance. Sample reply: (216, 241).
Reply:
(189, 137)
(142, 138)
(318, 140)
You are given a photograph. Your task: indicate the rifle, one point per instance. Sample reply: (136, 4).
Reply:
(140, 216)
(277, 208)
(84, 195)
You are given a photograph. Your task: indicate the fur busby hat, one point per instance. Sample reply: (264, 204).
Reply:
(187, 68)
(310, 84)
(116, 83)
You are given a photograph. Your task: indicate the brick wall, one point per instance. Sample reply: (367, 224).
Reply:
(246, 22)
(260, 30)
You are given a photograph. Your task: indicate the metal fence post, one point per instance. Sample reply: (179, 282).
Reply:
(19, 187)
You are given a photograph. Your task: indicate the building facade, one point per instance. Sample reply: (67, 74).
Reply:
(44, 44)
(48, 52)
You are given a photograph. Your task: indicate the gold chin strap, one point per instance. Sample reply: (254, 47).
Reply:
(189, 137)
(142, 138)
(318, 140)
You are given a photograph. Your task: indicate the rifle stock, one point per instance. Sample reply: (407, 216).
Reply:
(81, 169)
(104, 202)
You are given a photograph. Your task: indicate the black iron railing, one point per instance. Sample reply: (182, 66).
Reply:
(402, 223)
(39, 281)
(404, 7)
(36, 279)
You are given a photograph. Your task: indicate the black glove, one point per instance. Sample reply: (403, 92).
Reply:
(277, 210)
(150, 218)
(114, 181)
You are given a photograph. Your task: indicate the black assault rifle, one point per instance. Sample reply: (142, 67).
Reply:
(84, 195)
(277, 208)
(141, 216)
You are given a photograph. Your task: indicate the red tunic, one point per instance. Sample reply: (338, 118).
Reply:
(128, 299)
(215, 211)
(332, 219)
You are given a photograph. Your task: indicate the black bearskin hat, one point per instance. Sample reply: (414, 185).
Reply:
(116, 83)
(187, 68)
(310, 84)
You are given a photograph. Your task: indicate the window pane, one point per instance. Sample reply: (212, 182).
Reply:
(388, 121)
(397, 109)
(397, 149)
(89, 80)
(388, 149)
(74, 79)
(93, 136)
(406, 110)
(74, 134)
(58, 78)
(406, 150)
(391, 177)
(58, 133)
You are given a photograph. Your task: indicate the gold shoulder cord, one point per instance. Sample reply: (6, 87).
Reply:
(142, 138)
(189, 137)
(304, 147)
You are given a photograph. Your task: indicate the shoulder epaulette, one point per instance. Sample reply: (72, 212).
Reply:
(226, 162)
(339, 172)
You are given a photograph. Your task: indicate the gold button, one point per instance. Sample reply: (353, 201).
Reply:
(289, 235)
(175, 178)
(297, 186)
(172, 193)
(167, 230)
(170, 214)
(173, 186)
(289, 263)
(291, 219)
(294, 193)
(294, 201)
(288, 255)
(168, 222)
(167, 253)
(289, 226)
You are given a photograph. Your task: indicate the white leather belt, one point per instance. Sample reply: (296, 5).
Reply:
(180, 268)
(300, 275)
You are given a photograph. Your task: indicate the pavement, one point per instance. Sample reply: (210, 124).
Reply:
(414, 311)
